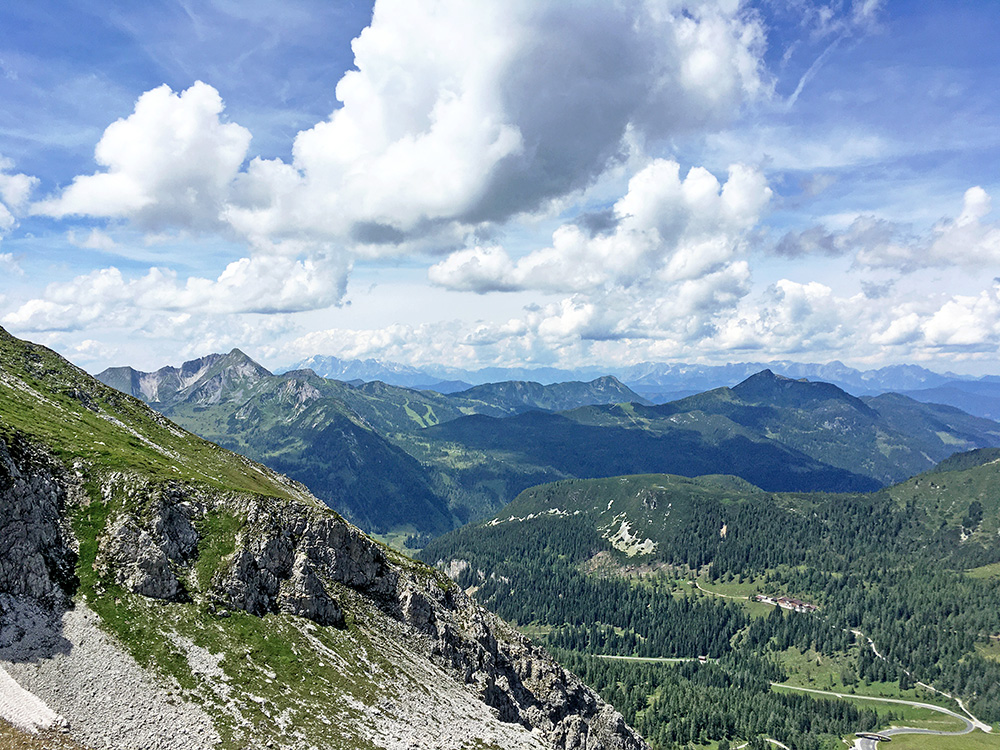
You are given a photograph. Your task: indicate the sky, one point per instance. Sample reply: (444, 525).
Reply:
(505, 182)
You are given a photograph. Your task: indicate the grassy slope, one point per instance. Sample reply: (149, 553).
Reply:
(288, 676)
(100, 429)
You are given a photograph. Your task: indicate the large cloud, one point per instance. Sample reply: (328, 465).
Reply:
(456, 117)
(456, 112)
(169, 164)
(666, 230)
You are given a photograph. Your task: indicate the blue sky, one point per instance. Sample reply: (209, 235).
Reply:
(503, 182)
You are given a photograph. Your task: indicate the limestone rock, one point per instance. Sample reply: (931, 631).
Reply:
(38, 559)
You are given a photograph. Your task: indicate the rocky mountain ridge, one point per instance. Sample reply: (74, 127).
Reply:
(259, 612)
(648, 378)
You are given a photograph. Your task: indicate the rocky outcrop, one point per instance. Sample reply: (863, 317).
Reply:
(286, 557)
(36, 555)
(145, 557)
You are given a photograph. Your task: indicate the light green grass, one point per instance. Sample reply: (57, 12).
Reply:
(989, 650)
(818, 672)
(985, 571)
(973, 741)
(743, 590)
(737, 587)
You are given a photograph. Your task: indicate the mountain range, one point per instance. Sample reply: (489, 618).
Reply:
(159, 591)
(346, 442)
(662, 382)
(415, 463)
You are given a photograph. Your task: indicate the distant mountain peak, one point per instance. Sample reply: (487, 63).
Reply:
(768, 386)
(607, 380)
(219, 374)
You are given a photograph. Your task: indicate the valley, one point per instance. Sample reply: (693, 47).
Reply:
(891, 565)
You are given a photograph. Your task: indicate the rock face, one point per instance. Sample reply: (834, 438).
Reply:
(36, 554)
(285, 557)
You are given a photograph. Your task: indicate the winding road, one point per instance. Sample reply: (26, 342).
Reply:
(971, 722)
(864, 743)
(861, 743)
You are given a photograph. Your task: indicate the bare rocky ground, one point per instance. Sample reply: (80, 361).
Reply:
(107, 698)
(109, 701)
(12, 738)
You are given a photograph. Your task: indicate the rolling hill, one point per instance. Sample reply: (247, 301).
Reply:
(448, 459)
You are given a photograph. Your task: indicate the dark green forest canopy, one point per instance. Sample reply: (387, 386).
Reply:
(890, 564)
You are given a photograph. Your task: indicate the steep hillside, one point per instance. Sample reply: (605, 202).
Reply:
(159, 591)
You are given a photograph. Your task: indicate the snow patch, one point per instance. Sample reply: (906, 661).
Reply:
(517, 519)
(25, 710)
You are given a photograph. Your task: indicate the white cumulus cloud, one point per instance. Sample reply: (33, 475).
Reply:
(167, 165)
(667, 229)
(258, 284)
(456, 112)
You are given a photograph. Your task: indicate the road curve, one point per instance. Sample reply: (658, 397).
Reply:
(650, 659)
(863, 743)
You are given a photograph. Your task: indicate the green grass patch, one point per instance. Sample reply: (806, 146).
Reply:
(738, 587)
(740, 592)
(973, 741)
(989, 650)
(985, 571)
(217, 530)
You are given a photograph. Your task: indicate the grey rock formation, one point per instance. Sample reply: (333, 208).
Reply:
(291, 558)
(36, 555)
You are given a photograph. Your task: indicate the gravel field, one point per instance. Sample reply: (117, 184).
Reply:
(81, 674)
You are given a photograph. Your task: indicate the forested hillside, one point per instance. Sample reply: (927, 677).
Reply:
(621, 567)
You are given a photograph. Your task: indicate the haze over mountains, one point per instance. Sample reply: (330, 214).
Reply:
(661, 382)
(402, 461)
